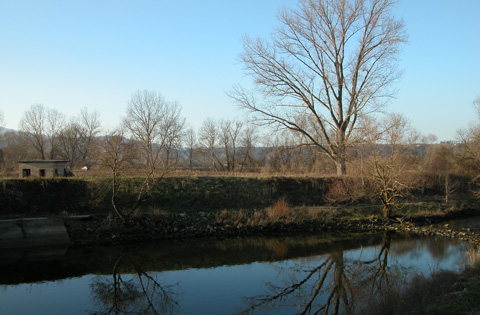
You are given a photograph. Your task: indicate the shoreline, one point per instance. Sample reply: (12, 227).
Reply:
(90, 230)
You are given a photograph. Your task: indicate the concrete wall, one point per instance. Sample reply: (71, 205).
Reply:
(32, 233)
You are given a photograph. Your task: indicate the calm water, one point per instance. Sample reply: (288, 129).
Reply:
(244, 275)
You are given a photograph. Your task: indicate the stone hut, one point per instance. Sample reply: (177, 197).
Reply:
(42, 168)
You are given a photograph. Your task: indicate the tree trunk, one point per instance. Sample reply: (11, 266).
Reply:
(341, 154)
(341, 166)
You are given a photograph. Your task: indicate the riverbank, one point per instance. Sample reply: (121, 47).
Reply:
(106, 230)
(280, 219)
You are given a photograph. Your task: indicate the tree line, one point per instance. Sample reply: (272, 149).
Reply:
(156, 128)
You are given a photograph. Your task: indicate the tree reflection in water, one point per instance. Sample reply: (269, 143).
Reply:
(132, 290)
(337, 285)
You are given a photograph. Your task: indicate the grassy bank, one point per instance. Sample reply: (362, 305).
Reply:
(172, 194)
(74, 196)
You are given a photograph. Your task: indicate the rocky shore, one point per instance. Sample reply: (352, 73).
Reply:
(101, 230)
(87, 230)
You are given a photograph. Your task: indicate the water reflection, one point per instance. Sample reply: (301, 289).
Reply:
(328, 273)
(349, 282)
(329, 279)
(140, 292)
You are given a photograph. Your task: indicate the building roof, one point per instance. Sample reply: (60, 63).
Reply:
(44, 161)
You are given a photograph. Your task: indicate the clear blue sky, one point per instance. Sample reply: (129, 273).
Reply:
(73, 54)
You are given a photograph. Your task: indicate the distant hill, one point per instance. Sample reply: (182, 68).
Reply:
(5, 130)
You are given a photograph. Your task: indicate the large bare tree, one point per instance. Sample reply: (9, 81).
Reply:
(329, 64)
(156, 125)
(40, 127)
(34, 130)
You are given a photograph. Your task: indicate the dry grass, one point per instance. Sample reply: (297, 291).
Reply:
(278, 212)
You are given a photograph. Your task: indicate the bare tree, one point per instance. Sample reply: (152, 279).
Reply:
(33, 128)
(117, 153)
(248, 141)
(209, 141)
(70, 142)
(328, 65)
(90, 127)
(40, 127)
(14, 149)
(219, 141)
(55, 124)
(441, 164)
(190, 141)
(470, 142)
(172, 129)
(229, 137)
(476, 104)
(281, 152)
(390, 162)
(156, 125)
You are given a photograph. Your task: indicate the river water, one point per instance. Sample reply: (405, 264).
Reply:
(255, 275)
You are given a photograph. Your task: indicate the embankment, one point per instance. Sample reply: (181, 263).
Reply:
(77, 196)
(102, 230)
(74, 196)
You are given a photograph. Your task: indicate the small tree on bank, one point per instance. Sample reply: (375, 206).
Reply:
(117, 154)
(390, 164)
(154, 128)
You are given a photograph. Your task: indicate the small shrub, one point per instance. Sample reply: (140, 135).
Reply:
(280, 209)
(313, 213)
(222, 215)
